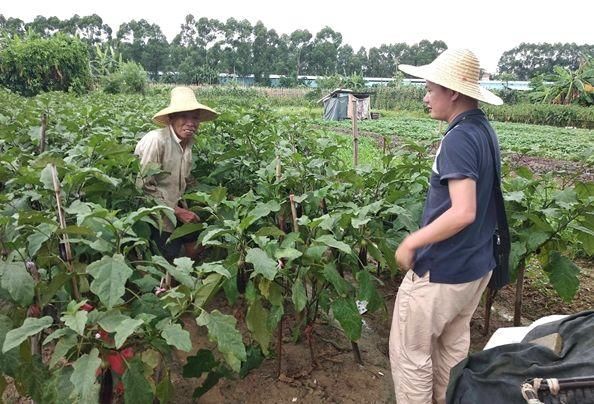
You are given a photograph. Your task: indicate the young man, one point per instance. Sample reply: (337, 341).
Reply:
(450, 258)
(169, 151)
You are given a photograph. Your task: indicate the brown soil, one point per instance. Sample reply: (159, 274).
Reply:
(338, 379)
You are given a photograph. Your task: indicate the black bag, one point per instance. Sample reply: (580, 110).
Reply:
(501, 240)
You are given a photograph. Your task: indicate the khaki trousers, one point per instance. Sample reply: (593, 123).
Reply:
(430, 334)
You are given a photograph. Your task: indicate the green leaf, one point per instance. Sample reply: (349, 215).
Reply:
(84, 378)
(62, 347)
(330, 241)
(405, 217)
(298, 295)
(207, 289)
(182, 271)
(111, 320)
(178, 337)
(43, 233)
(289, 253)
(586, 237)
(31, 326)
(202, 362)
(185, 229)
(563, 274)
(32, 375)
(48, 291)
(270, 232)
(357, 223)
(256, 320)
(535, 238)
(124, 330)
(261, 210)
(46, 177)
(59, 333)
(9, 361)
(110, 276)
(76, 321)
(368, 291)
(221, 329)
(254, 360)
(59, 388)
(17, 281)
(165, 388)
(137, 389)
(345, 311)
(331, 274)
(262, 263)
(216, 267)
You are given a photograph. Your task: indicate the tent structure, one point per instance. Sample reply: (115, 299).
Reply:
(339, 105)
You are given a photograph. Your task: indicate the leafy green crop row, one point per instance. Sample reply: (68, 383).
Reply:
(289, 226)
(533, 140)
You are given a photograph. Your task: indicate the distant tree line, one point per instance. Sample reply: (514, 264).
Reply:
(205, 47)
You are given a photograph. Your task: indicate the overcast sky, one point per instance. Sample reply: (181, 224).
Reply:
(488, 28)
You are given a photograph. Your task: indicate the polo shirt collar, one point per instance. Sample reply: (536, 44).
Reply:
(460, 117)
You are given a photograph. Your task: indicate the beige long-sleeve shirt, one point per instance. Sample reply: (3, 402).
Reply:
(160, 150)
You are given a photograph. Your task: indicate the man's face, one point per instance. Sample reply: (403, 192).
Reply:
(185, 124)
(439, 101)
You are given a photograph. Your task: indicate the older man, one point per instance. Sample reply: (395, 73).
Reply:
(168, 152)
(450, 258)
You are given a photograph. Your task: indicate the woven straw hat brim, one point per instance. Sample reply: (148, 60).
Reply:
(206, 114)
(453, 76)
(183, 99)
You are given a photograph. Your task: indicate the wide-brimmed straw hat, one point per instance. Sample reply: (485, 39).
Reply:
(458, 70)
(184, 99)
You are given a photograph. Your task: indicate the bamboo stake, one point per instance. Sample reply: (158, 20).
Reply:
(42, 133)
(294, 213)
(355, 134)
(65, 241)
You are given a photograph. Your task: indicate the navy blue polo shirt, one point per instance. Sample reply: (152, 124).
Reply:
(464, 153)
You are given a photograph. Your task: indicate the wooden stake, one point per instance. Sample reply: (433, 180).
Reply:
(279, 347)
(355, 134)
(519, 293)
(356, 353)
(491, 293)
(42, 133)
(278, 169)
(65, 241)
(294, 213)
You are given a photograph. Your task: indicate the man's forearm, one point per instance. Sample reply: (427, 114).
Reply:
(445, 226)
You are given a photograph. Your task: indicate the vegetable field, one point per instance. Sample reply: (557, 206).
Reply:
(295, 239)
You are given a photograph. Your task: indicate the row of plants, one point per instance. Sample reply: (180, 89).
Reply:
(526, 139)
(291, 229)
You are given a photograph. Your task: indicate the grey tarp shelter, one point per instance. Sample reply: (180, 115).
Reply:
(336, 105)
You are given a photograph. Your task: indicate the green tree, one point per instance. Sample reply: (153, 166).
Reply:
(324, 52)
(529, 60)
(144, 43)
(33, 64)
(11, 26)
(299, 46)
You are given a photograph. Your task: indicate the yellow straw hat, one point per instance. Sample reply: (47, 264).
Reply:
(458, 70)
(184, 99)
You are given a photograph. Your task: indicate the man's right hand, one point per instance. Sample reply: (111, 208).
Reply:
(186, 216)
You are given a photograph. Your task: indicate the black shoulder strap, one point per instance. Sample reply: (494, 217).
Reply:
(502, 226)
